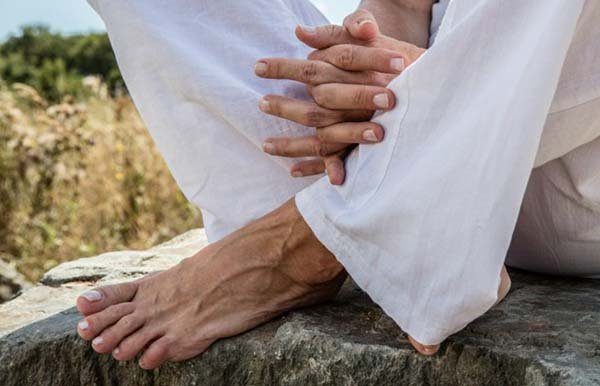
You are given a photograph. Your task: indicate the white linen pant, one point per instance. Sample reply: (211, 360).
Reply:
(424, 220)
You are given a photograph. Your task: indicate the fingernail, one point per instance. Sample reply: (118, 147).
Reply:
(369, 135)
(268, 147)
(264, 105)
(98, 341)
(92, 296)
(83, 325)
(297, 174)
(397, 64)
(308, 29)
(260, 68)
(363, 22)
(382, 101)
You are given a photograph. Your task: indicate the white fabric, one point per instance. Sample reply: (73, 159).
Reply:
(437, 15)
(189, 66)
(424, 220)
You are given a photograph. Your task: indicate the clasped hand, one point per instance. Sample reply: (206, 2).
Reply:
(346, 76)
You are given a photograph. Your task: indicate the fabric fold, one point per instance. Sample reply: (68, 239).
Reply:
(424, 219)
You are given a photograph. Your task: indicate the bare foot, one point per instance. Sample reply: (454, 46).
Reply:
(503, 289)
(271, 266)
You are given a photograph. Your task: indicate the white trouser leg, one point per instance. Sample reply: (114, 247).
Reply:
(189, 68)
(424, 220)
(558, 231)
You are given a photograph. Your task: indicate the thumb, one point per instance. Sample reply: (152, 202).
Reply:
(362, 25)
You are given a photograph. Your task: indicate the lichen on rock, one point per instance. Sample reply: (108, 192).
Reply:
(545, 333)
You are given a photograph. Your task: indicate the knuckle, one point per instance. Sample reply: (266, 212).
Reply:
(127, 321)
(113, 311)
(319, 149)
(310, 72)
(283, 147)
(314, 117)
(279, 146)
(372, 78)
(360, 98)
(346, 56)
(332, 30)
(322, 134)
(275, 106)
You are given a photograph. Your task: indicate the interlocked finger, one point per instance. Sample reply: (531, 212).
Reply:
(315, 72)
(358, 58)
(309, 146)
(351, 97)
(309, 113)
(351, 133)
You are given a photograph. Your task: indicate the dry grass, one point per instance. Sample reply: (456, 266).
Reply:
(77, 179)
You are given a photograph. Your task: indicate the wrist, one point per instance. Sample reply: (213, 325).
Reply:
(405, 20)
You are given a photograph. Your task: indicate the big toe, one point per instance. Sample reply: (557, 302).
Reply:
(100, 298)
(424, 349)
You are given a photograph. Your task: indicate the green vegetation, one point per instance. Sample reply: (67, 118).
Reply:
(79, 174)
(55, 64)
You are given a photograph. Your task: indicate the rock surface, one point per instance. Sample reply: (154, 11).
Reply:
(11, 282)
(545, 333)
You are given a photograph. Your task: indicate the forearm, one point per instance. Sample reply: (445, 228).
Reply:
(406, 20)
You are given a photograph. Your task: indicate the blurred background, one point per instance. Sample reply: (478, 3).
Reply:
(79, 175)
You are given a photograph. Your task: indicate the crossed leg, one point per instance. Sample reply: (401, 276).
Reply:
(246, 276)
(244, 279)
(269, 267)
(255, 274)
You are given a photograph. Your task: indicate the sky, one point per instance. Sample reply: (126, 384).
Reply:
(70, 16)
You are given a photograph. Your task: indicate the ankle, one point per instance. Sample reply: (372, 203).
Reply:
(295, 251)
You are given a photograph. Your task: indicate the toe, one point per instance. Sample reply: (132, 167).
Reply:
(424, 349)
(100, 298)
(156, 354)
(505, 284)
(134, 344)
(113, 335)
(94, 324)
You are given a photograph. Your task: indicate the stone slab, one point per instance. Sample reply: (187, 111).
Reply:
(547, 332)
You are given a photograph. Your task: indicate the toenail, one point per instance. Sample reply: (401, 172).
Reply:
(116, 351)
(430, 350)
(98, 341)
(92, 296)
(83, 325)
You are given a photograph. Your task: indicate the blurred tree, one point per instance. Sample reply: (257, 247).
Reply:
(55, 64)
